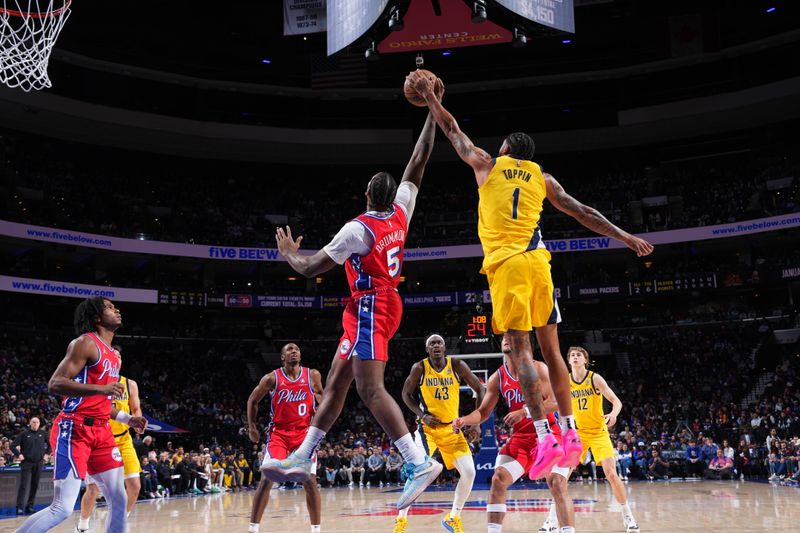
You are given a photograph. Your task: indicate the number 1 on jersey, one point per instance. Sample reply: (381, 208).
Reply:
(515, 203)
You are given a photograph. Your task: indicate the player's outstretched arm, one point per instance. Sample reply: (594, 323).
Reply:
(79, 352)
(264, 387)
(478, 159)
(608, 394)
(308, 266)
(465, 375)
(422, 152)
(486, 407)
(592, 218)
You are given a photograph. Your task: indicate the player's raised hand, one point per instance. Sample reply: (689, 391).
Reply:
(514, 417)
(138, 423)
(421, 83)
(640, 246)
(286, 244)
(438, 89)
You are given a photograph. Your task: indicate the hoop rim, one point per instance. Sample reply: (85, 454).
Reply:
(48, 14)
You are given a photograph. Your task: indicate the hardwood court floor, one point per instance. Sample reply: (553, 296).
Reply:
(703, 506)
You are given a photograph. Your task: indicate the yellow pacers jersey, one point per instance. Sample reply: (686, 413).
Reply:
(587, 405)
(509, 208)
(121, 403)
(440, 391)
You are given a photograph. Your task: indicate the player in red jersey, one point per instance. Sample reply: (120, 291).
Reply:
(519, 453)
(81, 437)
(295, 391)
(371, 248)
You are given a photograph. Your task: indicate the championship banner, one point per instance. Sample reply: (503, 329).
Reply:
(304, 16)
(238, 253)
(76, 290)
(157, 426)
(444, 24)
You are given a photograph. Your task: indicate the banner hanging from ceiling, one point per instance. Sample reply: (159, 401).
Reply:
(444, 24)
(304, 16)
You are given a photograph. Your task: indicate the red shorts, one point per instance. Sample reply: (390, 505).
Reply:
(369, 321)
(521, 446)
(79, 449)
(281, 443)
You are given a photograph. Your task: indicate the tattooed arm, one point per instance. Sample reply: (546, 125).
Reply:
(477, 158)
(592, 218)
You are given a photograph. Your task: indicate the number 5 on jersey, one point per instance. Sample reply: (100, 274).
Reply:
(393, 261)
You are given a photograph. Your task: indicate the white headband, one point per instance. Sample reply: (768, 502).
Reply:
(434, 336)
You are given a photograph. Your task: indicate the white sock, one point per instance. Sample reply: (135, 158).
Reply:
(626, 510)
(542, 428)
(567, 529)
(252, 528)
(566, 422)
(310, 443)
(403, 513)
(315, 528)
(552, 516)
(83, 523)
(409, 450)
(495, 528)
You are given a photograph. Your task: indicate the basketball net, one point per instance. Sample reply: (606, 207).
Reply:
(28, 31)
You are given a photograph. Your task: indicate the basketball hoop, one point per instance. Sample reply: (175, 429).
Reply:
(28, 31)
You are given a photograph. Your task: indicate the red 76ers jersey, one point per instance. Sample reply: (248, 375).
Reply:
(382, 265)
(102, 372)
(512, 396)
(292, 403)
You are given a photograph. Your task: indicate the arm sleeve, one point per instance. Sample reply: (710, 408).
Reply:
(353, 238)
(406, 198)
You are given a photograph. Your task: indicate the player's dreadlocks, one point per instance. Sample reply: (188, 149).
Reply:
(86, 313)
(520, 146)
(382, 190)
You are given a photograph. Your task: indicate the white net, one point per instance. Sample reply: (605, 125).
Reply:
(28, 31)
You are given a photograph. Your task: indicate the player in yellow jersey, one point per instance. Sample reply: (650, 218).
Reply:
(438, 379)
(512, 189)
(128, 401)
(588, 390)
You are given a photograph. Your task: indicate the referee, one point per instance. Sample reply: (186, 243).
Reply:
(32, 444)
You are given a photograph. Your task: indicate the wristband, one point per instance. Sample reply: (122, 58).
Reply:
(123, 418)
(527, 412)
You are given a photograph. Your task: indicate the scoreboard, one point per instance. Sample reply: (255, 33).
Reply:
(477, 329)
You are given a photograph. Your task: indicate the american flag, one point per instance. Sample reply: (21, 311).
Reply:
(341, 70)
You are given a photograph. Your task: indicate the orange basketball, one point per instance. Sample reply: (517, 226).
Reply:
(411, 93)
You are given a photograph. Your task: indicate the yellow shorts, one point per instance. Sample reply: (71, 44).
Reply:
(450, 445)
(599, 443)
(130, 462)
(523, 295)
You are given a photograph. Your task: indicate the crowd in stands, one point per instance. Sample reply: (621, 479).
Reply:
(683, 389)
(47, 183)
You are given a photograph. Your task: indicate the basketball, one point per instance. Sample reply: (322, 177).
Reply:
(411, 93)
